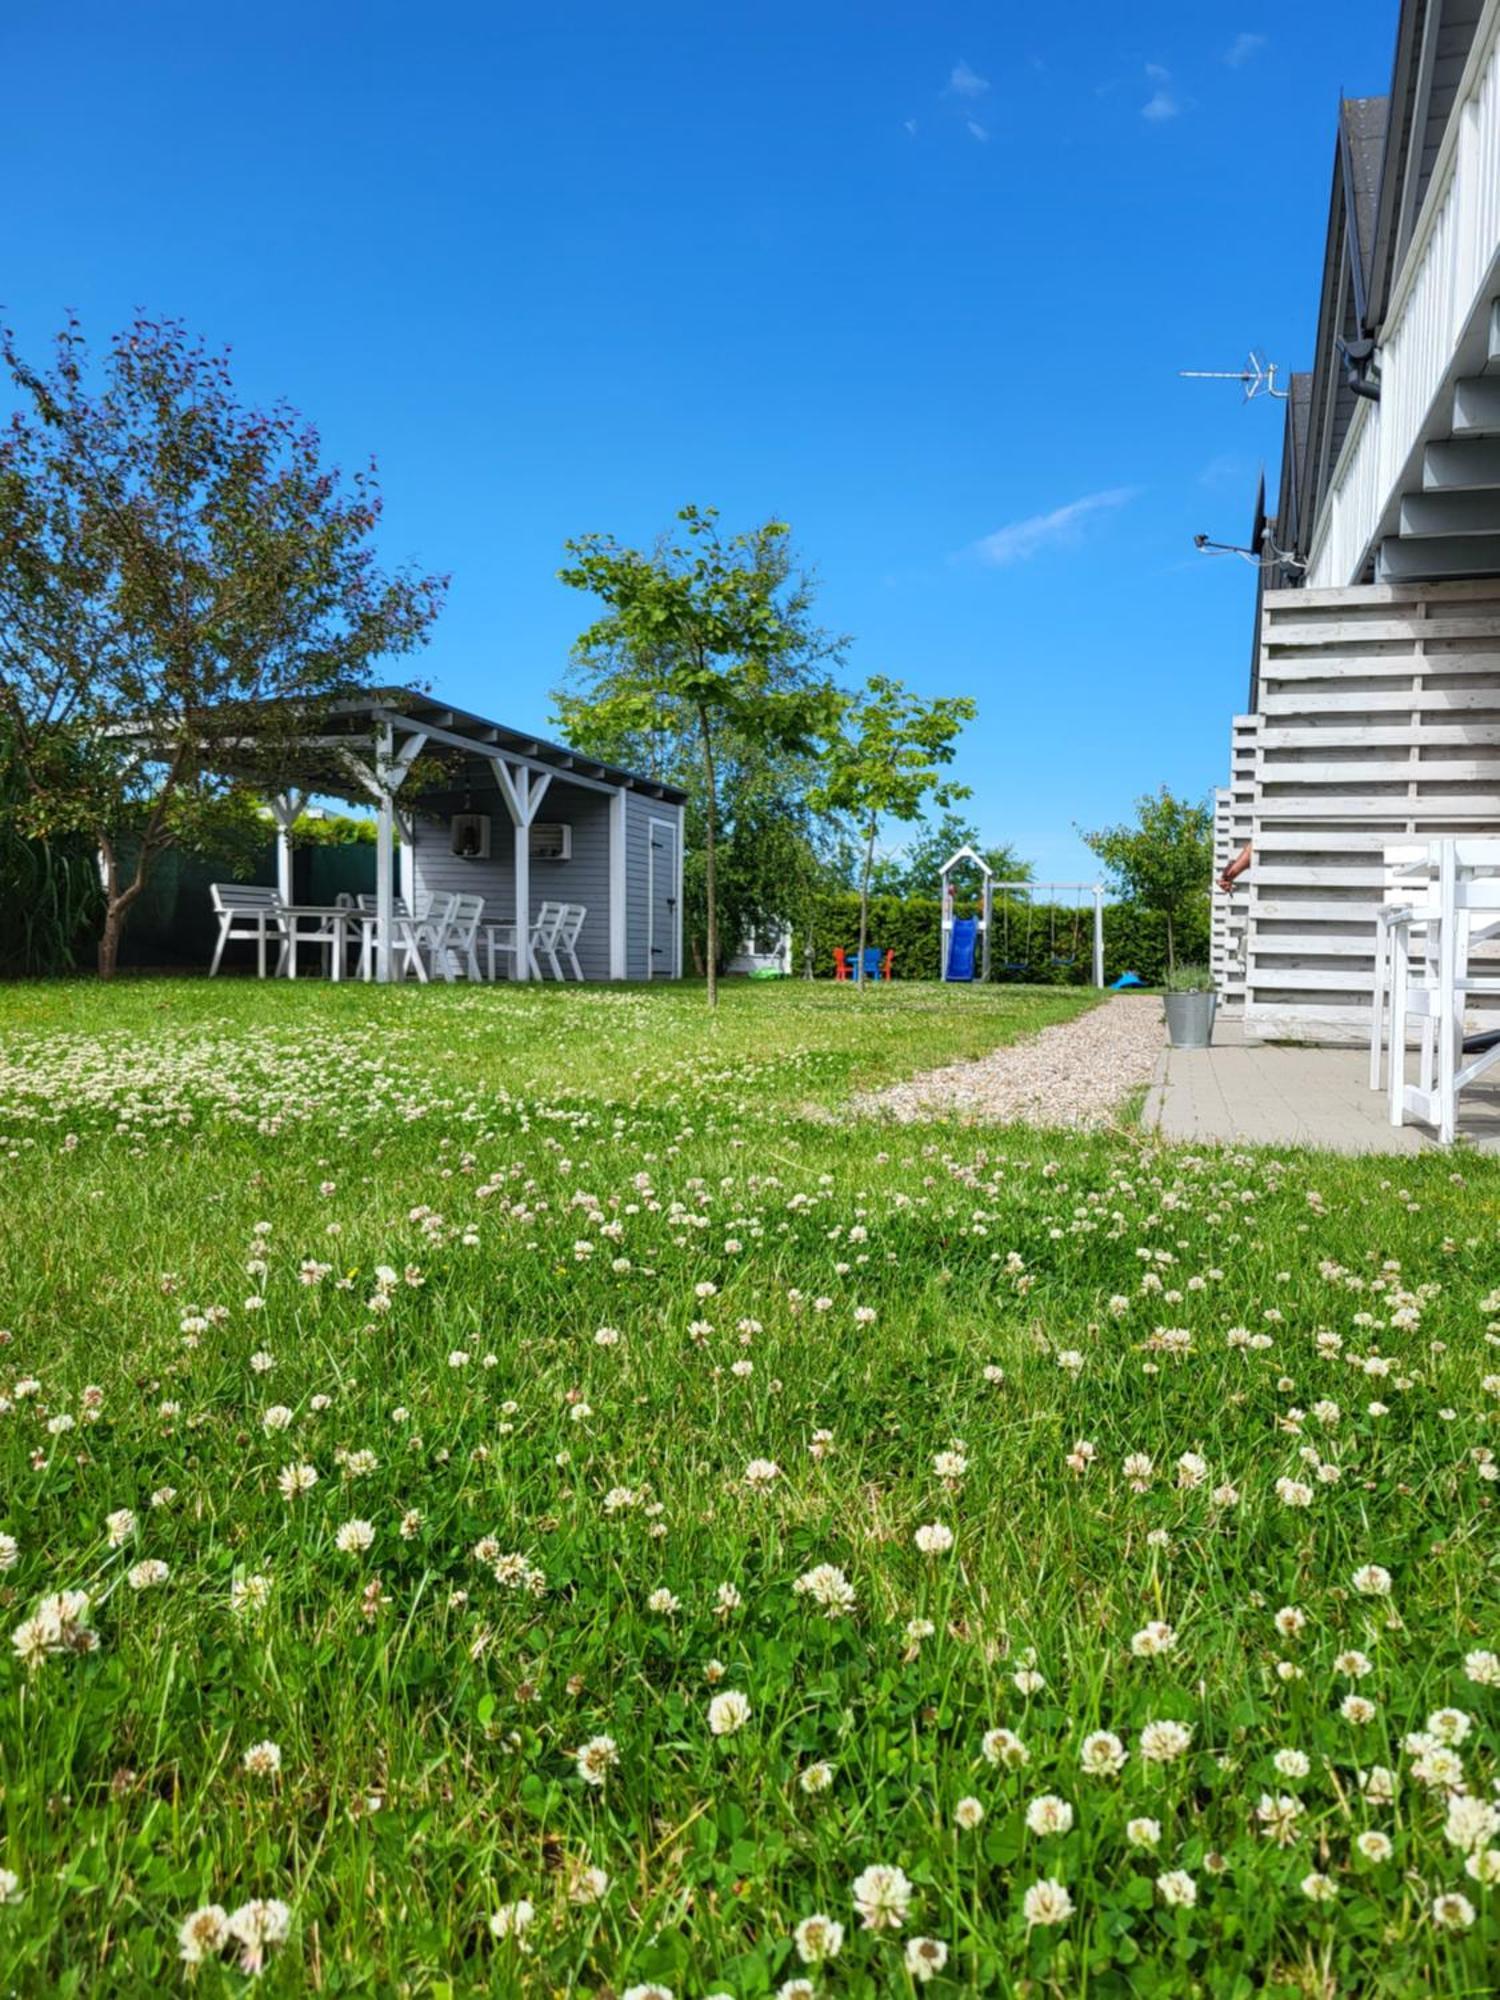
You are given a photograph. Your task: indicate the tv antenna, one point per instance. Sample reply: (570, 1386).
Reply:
(1257, 377)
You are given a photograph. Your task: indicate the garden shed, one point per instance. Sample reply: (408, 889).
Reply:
(463, 804)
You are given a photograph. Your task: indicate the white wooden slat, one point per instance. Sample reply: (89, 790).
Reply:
(1383, 701)
(1380, 720)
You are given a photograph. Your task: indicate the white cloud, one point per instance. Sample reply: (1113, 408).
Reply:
(1019, 541)
(965, 82)
(1163, 102)
(977, 131)
(911, 126)
(1242, 48)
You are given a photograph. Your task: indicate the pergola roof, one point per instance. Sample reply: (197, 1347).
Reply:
(321, 760)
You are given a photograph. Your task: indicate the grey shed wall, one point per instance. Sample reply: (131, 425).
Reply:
(584, 879)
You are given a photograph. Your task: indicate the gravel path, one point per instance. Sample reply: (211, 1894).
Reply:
(1072, 1074)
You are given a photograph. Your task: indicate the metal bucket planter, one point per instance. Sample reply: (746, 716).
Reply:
(1190, 1019)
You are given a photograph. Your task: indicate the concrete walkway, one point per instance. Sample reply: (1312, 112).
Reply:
(1280, 1094)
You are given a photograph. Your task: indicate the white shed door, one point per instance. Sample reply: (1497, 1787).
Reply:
(661, 900)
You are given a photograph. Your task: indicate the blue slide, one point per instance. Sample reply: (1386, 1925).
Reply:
(961, 948)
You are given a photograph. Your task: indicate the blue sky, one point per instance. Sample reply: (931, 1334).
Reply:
(915, 278)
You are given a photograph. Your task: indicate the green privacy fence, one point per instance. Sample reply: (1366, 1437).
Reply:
(173, 924)
(1042, 944)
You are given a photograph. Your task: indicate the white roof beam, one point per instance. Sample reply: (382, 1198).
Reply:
(1476, 407)
(1461, 465)
(1476, 513)
(1431, 559)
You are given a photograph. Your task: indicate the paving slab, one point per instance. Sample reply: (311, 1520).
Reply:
(1287, 1094)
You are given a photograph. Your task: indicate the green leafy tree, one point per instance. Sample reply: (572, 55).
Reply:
(1164, 861)
(711, 632)
(916, 869)
(184, 585)
(885, 761)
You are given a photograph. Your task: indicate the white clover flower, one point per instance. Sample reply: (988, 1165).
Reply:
(1048, 1814)
(1319, 1888)
(1177, 1889)
(1164, 1742)
(277, 1418)
(760, 1473)
(1374, 1845)
(256, 1926)
(119, 1527)
(1102, 1754)
(934, 1538)
(1143, 1832)
(816, 1778)
(1483, 1668)
(818, 1938)
(882, 1896)
(1292, 1763)
(1046, 1902)
(354, 1537)
(262, 1760)
(828, 1587)
(925, 1958)
(10, 1552)
(596, 1759)
(663, 1600)
(728, 1713)
(1004, 1747)
(513, 1920)
(587, 1885)
(1452, 1912)
(1372, 1581)
(1378, 1785)
(146, 1575)
(1472, 1822)
(203, 1934)
(1278, 1814)
(968, 1814)
(1153, 1640)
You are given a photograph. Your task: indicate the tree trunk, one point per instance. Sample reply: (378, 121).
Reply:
(1171, 953)
(710, 858)
(117, 902)
(864, 904)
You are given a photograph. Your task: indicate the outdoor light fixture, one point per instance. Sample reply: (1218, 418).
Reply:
(470, 836)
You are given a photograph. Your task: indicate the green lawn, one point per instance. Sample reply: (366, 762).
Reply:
(634, 1381)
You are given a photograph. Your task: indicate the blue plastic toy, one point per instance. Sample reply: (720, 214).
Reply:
(1125, 981)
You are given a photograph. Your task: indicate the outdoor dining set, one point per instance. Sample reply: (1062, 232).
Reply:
(435, 935)
(1443, 904)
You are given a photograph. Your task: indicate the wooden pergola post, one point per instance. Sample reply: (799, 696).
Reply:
(523, 791)
(285, 809)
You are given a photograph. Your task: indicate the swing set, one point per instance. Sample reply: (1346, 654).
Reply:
(965, 939)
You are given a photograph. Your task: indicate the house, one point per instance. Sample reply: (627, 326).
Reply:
(481, 808)
(1374, 702)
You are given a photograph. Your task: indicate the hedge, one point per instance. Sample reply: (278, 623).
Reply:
(1033, 944)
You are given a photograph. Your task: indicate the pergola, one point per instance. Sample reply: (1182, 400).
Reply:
(365, 750)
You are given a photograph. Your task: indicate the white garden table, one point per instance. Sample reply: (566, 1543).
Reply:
(318, 923)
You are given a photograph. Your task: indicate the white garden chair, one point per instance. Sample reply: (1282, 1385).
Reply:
(454, 942)
(565, 943)
(247, 912)
(1405, 883)
(545, 926)
(1459, 909)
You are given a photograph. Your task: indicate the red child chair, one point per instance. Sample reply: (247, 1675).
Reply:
(840, 963)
